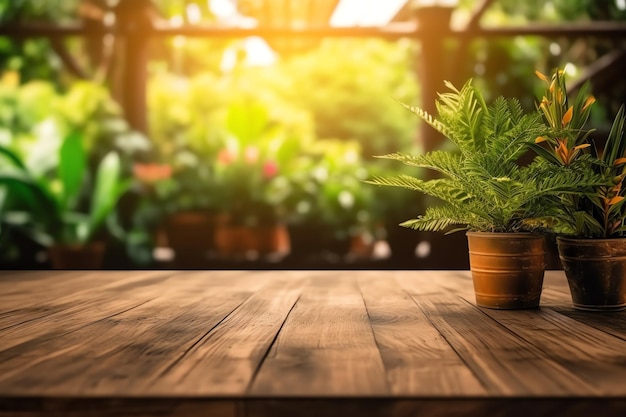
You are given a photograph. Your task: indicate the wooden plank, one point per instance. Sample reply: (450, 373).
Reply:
(595, 357)
(50, 286)
(506, 363)
(417, 359)
(58, 362)
(224, 360)
(49, 318)
(159, 333)
(19, 290)
(559, 299)
(326, 346)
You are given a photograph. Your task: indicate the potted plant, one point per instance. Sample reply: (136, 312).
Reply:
(250, 191)
(329, 206)
(52, 209)
(485, 190)
(591, 227)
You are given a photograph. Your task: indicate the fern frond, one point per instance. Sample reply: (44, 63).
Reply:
(462, 112)
(428, 118)
(436, 219)
(444, 189)
(441, 161)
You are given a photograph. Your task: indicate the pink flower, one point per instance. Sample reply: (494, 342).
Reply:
(270, 169)
(251, 154)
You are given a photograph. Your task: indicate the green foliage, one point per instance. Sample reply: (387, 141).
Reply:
(483, 186)
(599, 212)
(48, 208)
(349, 87)
(251, 172)
(327, 195)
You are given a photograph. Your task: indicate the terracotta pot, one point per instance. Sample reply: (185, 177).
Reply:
(191, 235)
(88, 256)
(231, 240)
(237, 241)
(596, 272)
(507, 269)
(271, 239)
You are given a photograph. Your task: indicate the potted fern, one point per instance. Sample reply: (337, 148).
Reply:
(591, 227)
(487, 192)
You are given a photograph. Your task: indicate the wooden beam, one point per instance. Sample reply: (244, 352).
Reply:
(68, 60)
(600, 68)
(612, 30)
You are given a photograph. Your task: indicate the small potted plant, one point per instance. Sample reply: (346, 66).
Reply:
(485, 190)
(591, 227)
(52, 210)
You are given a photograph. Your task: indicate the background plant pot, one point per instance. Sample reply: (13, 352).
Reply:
(235, 241)
(272, 239)
(596, 272)
(191, 235)
(88, 256)
(232, 241)
(507, 269)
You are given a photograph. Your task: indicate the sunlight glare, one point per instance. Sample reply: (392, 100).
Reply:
(222, 8)
(442, 3)
(194, 15)
(365, 12)
(258, 54)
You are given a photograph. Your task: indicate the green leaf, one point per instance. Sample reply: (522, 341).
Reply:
(13, 157)
(32, 194)
(247, 121)
(544, 153)
(616, 145)
(106, 192)
(72, 166)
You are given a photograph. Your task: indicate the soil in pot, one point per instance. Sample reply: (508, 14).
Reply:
(596, 272)
(507, 269)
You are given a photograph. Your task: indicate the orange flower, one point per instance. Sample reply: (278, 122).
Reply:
(590, 100)
(565, 154)
(225, 156)
(567, 117)
(151, 173)
(541, 76)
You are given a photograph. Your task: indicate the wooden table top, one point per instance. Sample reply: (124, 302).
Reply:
(274, 343)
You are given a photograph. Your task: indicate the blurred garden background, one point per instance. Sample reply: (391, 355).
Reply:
(238, 133)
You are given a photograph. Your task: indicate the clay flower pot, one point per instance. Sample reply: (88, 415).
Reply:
(596, 272)
(190, 235)
(88, 256)
(507, 269)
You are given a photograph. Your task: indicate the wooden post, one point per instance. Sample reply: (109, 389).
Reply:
(434, 24)
(133, 18)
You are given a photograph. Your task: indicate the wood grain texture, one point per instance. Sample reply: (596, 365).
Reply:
(298, 343)
(505, 362)
(326, 346)
(416, 356)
